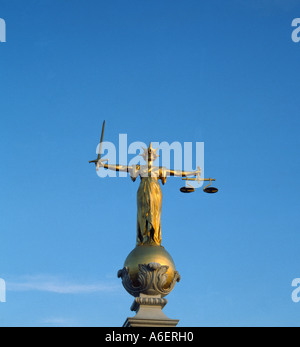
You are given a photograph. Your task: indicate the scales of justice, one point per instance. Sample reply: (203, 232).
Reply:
(149, 272)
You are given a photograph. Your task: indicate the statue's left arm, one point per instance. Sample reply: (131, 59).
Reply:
(164, 173)
(180, 173)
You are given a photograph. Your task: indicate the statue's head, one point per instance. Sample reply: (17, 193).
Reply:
(150, 154)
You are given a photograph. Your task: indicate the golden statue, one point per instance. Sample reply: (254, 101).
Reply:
(149, 272)
(149, 195)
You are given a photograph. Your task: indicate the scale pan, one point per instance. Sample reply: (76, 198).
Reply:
(210, 190)
(187, 189)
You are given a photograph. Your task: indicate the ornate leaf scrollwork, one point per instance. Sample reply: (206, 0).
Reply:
(152, 279)
(127, 283)
(160, 284)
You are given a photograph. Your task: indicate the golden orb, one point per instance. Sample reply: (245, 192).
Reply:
(146, 254)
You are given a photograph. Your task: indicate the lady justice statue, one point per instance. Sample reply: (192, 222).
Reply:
(149, 271)
(149, 195)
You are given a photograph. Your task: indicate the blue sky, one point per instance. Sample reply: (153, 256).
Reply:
(222, 72)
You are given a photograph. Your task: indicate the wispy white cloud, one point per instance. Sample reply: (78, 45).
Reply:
(59, 322)
(58, 285)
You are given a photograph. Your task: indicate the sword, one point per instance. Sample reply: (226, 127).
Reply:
(98, 160)
(101, 141)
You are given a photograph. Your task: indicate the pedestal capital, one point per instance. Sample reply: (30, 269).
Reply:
(149, 313)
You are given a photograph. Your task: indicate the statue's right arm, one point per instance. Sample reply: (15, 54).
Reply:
(117, 167)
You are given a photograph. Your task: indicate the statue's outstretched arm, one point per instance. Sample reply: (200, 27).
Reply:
(133, 169)
(117, 167)
(180, 173)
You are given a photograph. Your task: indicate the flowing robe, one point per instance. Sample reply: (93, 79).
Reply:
(149, 204)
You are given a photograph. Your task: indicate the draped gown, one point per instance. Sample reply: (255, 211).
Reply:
(149, 204)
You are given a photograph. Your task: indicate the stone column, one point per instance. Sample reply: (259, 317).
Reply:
(149, 313)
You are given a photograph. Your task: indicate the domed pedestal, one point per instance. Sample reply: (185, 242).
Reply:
(149, 274)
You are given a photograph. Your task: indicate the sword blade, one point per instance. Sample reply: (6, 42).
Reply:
(101, 141)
